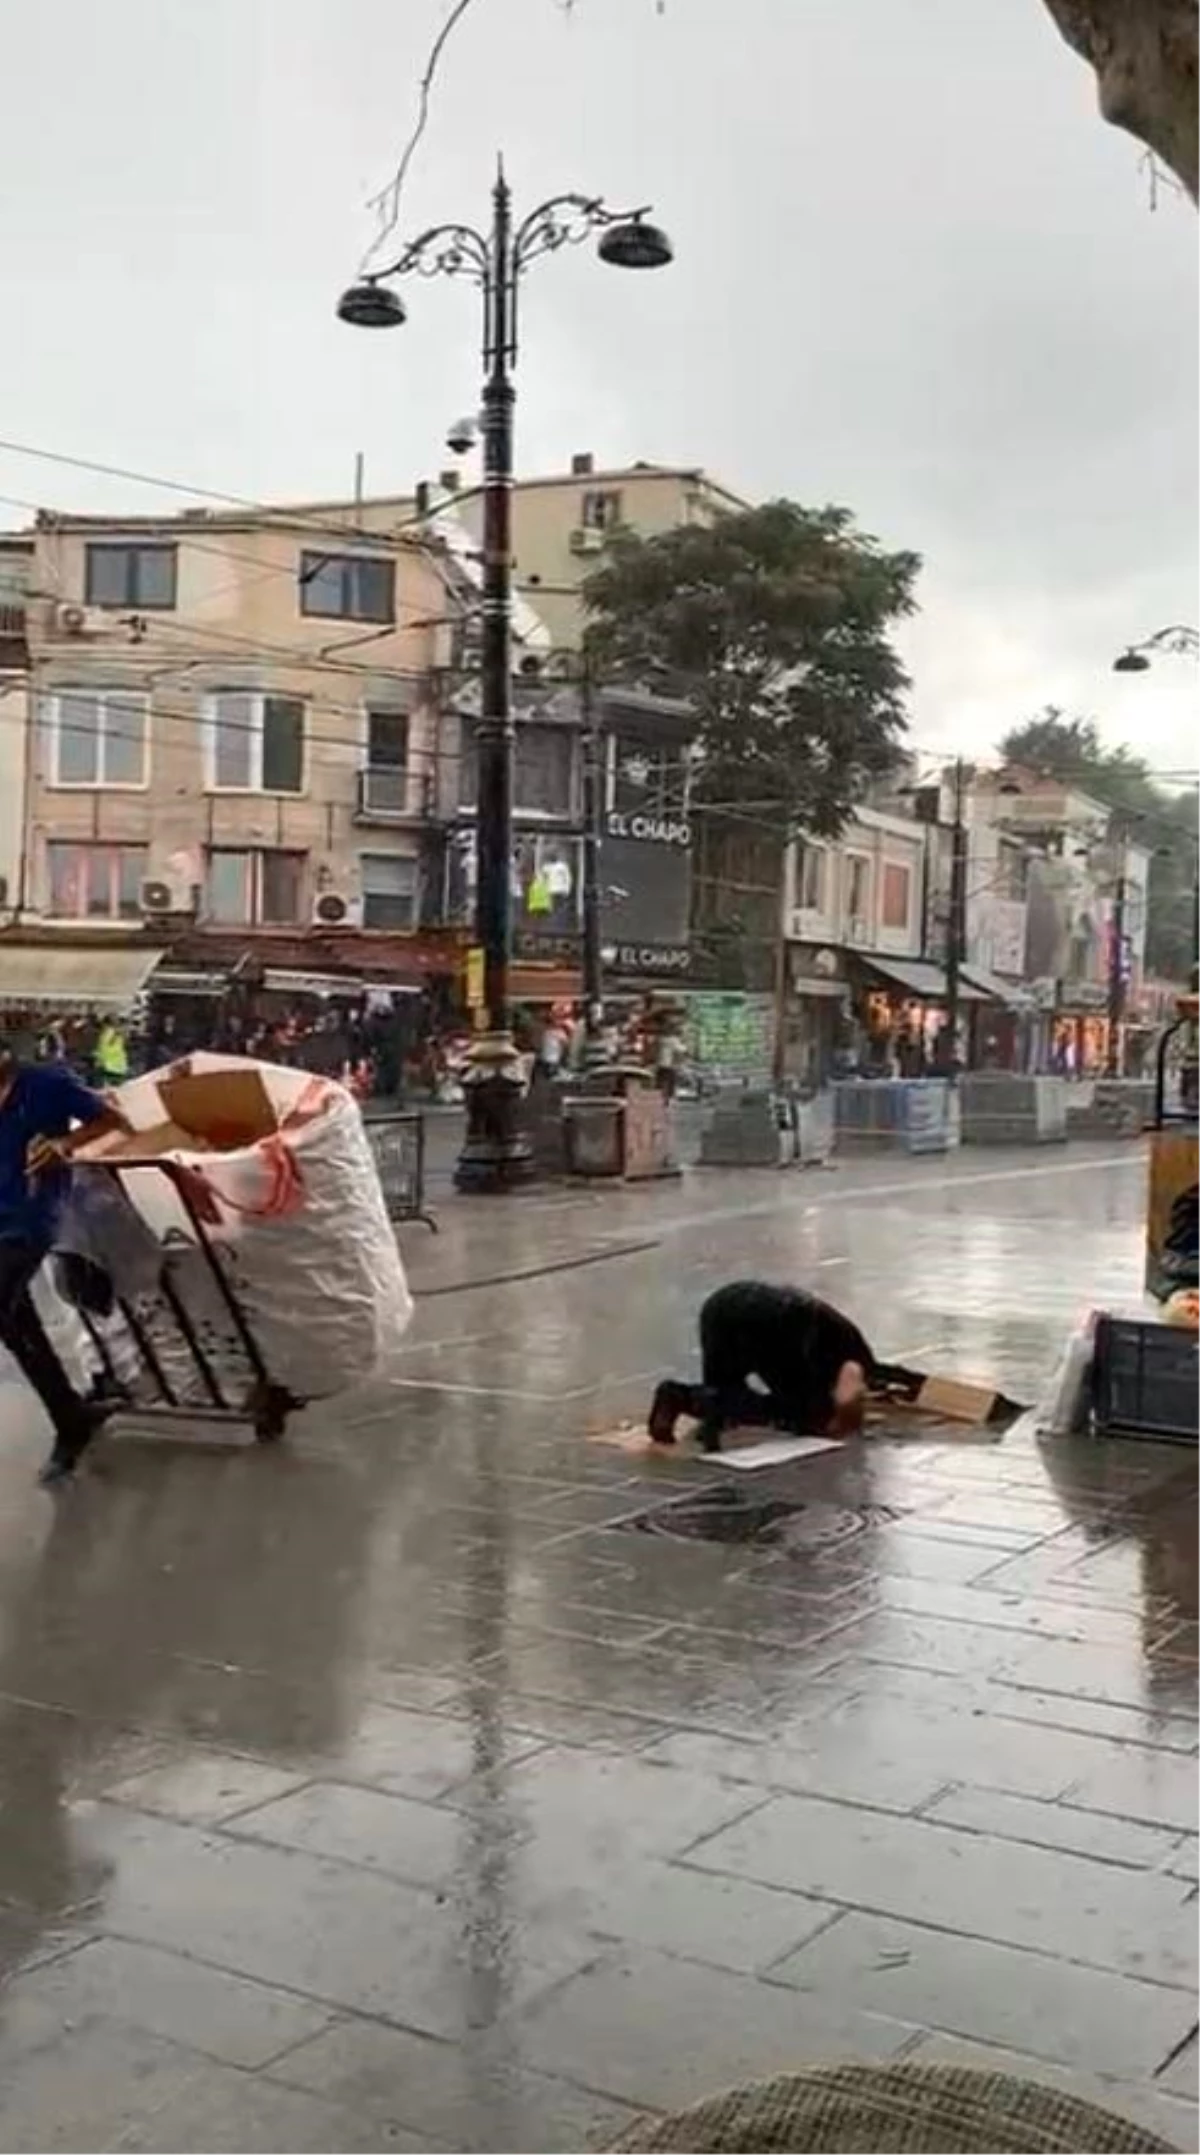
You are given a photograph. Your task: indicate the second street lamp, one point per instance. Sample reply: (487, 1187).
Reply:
(495, 1154)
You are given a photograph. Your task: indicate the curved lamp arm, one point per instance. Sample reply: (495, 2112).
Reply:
(563, 221)
(445, 250)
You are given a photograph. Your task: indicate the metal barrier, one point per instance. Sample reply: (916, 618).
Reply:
(397, 1142)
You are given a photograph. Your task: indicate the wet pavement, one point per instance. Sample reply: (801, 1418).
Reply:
(382, 1790)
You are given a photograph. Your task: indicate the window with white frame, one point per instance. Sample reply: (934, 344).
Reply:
(98, 737)
(255, 743)
(600, 509)
(94, 882)
(389, 890)
(254, 887)
(810, 879)
(858, 888)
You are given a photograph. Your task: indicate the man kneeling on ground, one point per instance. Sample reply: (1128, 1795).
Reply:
(816, 1368)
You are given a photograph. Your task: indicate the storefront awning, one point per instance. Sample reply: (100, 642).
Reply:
(925, 981)
(1008, 992)
(284, 980)
(172, 980)
(72, 976)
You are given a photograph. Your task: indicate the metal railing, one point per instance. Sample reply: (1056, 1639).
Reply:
(390, 793)
(397, 1141)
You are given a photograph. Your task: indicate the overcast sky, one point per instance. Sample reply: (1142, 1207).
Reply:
(914, 273)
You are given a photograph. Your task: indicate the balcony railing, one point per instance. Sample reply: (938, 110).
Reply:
(393, 794)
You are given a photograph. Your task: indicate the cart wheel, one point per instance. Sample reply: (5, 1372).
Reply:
(271, 1413)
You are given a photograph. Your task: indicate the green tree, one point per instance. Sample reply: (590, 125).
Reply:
(775, 622)
(1071, 750)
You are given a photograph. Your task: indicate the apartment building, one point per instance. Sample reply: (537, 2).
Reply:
(235, 721)
(853, 915)
(15, 562)
(561, 525)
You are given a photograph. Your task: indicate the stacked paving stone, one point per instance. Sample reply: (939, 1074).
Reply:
(1114, 1107)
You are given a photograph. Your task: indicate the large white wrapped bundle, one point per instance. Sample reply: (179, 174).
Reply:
(296, 1218)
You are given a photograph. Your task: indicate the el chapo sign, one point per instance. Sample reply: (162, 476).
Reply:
(648, 829)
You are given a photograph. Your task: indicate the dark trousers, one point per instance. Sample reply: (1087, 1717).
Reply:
(22, 1332)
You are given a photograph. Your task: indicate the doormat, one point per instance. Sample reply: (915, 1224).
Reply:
(732, 1512)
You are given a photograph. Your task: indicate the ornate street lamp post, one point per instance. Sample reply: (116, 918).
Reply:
(1179, 640)
(495, 1154)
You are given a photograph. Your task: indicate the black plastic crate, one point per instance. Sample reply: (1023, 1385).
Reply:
(1145, 1380)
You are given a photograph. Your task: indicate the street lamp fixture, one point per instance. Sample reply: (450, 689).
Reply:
(1178, 640)
(495, 1154)
(371, 305)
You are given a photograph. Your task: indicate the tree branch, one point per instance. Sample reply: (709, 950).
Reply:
(1143, 53)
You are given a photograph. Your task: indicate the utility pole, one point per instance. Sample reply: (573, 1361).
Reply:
(1195, 979)
(593, 790)
(956, 925)
(1116, 973)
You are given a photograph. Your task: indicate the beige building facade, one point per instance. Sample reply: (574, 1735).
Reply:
(234, 716)
(562, 523)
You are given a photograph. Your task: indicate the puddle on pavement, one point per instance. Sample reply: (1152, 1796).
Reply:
(728, 1512)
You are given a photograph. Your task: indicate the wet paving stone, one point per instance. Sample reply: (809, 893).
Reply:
(386, 1792)
(464, 2095)
(1046, 2007)
(1052, 1902)
(659, 2032)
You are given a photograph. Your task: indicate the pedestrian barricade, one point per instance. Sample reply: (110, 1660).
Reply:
(397, 1141)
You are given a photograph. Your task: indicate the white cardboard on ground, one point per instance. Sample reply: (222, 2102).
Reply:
(777, 1451)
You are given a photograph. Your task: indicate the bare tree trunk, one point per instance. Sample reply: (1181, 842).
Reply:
(1144, 56)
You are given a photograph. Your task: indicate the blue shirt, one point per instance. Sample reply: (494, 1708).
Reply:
(43, 1101)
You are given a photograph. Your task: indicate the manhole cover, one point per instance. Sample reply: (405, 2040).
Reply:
(727, 1512)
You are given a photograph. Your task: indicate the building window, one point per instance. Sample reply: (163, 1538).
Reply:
(254, 887)
(896, 894)
(543, 764)
(600, 510)
(389, 890)
(348, 587)
(650, 781)
(255, 743)
(140, 577)
(94, 882)
(98, 737)
(385, 787)
(810, 882)
(858, 888)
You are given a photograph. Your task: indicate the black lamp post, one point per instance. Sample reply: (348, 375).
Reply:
(495, 1154)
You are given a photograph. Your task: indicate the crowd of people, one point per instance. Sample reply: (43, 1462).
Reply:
(383, 1046)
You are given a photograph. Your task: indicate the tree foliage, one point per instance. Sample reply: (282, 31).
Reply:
(775, 622)
(1071, 751)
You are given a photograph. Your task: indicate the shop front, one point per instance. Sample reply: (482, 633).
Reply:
(67, 984)
(818, 1013)
(900, 1026)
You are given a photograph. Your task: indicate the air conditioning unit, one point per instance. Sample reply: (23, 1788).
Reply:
(158, 894)
(333, 909)
(71, 619)
(587, 539)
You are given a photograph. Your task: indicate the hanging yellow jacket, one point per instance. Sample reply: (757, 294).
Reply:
(112, 1055)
